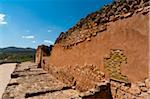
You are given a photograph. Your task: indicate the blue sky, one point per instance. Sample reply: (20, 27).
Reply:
(28, 23)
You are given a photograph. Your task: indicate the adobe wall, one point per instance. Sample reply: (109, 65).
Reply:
(41, 52)
(130, 35)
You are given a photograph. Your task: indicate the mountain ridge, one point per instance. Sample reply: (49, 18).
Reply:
(16, 54)
(15, 49)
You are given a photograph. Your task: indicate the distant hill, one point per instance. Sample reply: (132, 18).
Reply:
(16, 54)
(16, 49)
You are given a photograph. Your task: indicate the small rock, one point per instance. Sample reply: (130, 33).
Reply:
(120, 94)
(127, 96)
(139, 10)
(118, 85)
(147, 83)
(122, 84)
(87, 93)
(102, 73)
(143, 94)
(117, 16)
(94, 34)
(124, 88)
(141, 84)
(146, 8)
(94, 89)
(144, 89)
(73, 87)
(127, 15)
(88, 39)
(105, 81)
(112, 18)
(134, 89)
(113, 84)
(145, 12)
(11, 95)
(148, 91)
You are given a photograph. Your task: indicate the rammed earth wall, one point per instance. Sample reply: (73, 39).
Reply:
(129, 35)
(82, 56)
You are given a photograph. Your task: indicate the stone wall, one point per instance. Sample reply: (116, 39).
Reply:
(139, 90)
(113, 64)
(82, 77)
(115, 49)
(129, 35)
(41, 52)
(97, 21)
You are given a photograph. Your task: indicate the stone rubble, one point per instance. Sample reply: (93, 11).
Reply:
(68, 82)
(78, 75)
(91, 75)
(121, 90)
(34, 83)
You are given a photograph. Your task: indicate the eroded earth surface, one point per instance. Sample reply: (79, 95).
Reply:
(31, 82)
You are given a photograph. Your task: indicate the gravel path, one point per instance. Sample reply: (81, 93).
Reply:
(5, 72)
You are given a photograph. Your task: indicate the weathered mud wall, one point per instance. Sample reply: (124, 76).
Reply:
(111, 43)
(41, 53)
(129, 35)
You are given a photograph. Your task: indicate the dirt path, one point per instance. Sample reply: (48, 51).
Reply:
(5, 72)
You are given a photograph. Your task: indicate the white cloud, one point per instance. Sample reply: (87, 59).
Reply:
(2, 19)
(33, 41)
(48, 41)
(28, 37)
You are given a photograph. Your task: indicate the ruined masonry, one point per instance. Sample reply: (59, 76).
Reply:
(110, 45)
(103, 56)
